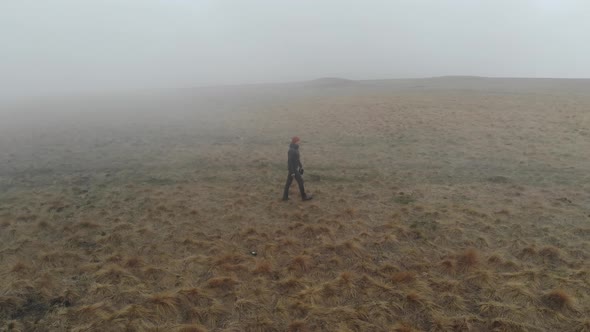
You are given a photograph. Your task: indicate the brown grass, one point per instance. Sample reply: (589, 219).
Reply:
(20, 267)
(114, 274)
(297, 326)
(222, 283)
(150, 227)
(559, 299)
(134, 262)
(403, 277)
(468, 259)
(582, 326)
(263, 267)
(195, 296)
(550, 252)
(301, 263)
(190, 328)
(165, 304)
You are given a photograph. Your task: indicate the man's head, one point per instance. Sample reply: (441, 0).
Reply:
(295, 140)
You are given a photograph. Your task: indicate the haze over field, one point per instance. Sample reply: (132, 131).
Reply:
(67, 47)
(143, 156)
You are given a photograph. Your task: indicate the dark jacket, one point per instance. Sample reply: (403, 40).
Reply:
(294, 162)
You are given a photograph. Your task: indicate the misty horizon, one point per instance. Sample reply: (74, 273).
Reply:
(67, 48)
(263, 166)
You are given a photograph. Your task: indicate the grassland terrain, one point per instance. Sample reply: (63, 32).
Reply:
(444, 204)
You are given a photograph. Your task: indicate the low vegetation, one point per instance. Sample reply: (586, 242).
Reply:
(450, 218)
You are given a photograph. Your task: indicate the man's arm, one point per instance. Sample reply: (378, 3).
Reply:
(300, 164)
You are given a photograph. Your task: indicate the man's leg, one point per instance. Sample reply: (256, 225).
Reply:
(287, 185)
(299, 180)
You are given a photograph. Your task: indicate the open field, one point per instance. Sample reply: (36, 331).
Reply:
(445, 204)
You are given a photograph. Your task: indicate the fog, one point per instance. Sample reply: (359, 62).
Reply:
(69, 47)
(152, 158)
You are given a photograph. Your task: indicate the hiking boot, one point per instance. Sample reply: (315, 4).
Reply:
(307, 198)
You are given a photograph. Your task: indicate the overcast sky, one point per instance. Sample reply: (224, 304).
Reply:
(61, 47)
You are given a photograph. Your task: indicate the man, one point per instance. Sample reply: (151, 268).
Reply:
(295, 170)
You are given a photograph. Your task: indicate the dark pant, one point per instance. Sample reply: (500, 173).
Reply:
(299, 180)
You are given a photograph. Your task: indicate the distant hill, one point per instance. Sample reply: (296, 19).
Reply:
(331, 82)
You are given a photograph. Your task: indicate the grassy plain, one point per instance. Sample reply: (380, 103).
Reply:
(446, 204)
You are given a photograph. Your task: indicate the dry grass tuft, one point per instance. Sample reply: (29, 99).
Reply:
(153, 273)
(403, 277)
(87, 224)
(350, 248)
(9, 305)
(190, 328)
(195, 296)
(452, 301)
(91, 313)
(259, 323)
(550, 252)
(289, 285)
(132, 312)
(245, 308)
(60, 258)
(559, 299)
(346, 278)
(448, 265)
(297, 326)
(134, 262)
(263, 267)
(517, 292)
(468, 259)
(114, 274)
(350, 211)
(495, 259)
(212, 315)
(229, 259)
(20, 267)
(528, 251)
(404, 327)
(582, 326)
(314, 295)
(222, 283)
(315, 231)
(496, 309)
(300, 263)
(481, 278)
(440, 324)
(43, 224)
(388, 268)
(414, 297)
(506, 325)
(166, 305)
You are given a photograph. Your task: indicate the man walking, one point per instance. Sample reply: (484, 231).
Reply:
(295, 171)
